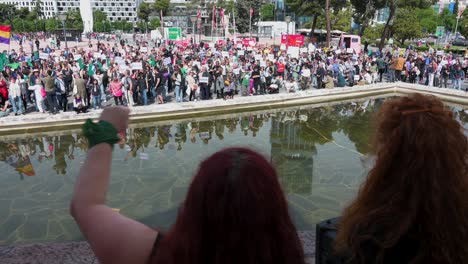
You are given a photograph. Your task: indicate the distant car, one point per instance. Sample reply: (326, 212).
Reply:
(460, 42)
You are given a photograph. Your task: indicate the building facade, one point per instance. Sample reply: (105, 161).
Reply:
(116, 10)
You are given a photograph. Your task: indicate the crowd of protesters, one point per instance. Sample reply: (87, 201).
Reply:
(54, 78)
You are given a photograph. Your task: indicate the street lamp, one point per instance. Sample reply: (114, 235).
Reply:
(193, 19)
(63, 17)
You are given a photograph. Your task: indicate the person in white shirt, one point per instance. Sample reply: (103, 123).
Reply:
(37, 88)
(367, 77)
(305, 77)
(14, 93)
(291, 85)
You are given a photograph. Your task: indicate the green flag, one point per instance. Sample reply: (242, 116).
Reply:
(2, 61)
(152, 62)
(108, 63)
(90, 70)
(80, 62)
(99, 64)
(14, 66)
(30, 63)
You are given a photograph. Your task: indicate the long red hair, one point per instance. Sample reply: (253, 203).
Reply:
(235, 212)
(417, 191)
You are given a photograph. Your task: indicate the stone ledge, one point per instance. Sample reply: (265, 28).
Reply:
(81, 253)
(40, 122)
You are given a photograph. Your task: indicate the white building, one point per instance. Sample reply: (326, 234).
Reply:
(116, 10)
(49, 7)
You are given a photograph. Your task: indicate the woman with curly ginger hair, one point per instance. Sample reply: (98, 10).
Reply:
(413, 207)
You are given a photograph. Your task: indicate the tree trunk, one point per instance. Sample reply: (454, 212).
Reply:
(387, 27)
(314, 25)
(327, 17)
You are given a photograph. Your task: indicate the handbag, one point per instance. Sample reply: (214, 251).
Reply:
(43, 92)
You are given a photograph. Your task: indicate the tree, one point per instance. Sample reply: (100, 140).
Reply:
(315, 8)
(161, 6)
(38, 9)
(406, 26)
(372, 34)
(365, 10)
(463, 25)
(122, 25)
(99, 16)
(243, 14)
(52, 24)
(154, 23)
(144, 10)
(267, 12)
(428, 18)
(8, 13)
(447, 19)
(74, 20)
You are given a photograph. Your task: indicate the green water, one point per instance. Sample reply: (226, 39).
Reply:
(320, 155)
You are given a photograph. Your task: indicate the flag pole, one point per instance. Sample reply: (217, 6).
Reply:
(250, 23)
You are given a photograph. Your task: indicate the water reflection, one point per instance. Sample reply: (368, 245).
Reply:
(317, 152)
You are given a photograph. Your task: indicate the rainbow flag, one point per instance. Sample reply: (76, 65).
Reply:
(5, 34)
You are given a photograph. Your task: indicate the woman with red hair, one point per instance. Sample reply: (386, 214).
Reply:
(413, 207)
(234, 212)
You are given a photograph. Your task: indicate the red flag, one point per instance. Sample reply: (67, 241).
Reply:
(251, 11)
(213, 22)
(222, 16)
(198, 14)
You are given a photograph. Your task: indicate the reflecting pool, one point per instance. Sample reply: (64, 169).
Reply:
(320, 154)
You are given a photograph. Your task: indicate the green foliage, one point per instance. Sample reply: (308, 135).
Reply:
(7, 12)
(144, 10)
(372, 34)
(406, 26)
(243, 14)
(463, 25)
(154, 23)
(74, 20)
(102, 26)
(161, 5)
(122, 25)
(38, 9)
(447, 19)
(52, 24)
(427, 19)
(267, 12)
(99, 16)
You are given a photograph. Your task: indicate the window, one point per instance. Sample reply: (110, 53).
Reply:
(355, 40)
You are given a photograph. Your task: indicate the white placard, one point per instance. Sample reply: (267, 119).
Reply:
(357, 77)
(211, 45)
(225, 54)
(137, 66)
(440, 53)
(167, 61)
(103, 57)
(263, 64)
(123, 68)
(283, 47)
(77, 56)
(144, 49)
(258, 57)
(239, 46)
(97, 55)
(252, 43)
(236, 71)
(204, 79)
(271, 57)
(338, 52)
(293, 52)
(240, 53)
(249, 48)
(349, 51)
(303, 50)
(43, 56)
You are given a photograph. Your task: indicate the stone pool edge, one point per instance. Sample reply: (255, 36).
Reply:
(173, 111)
(79, 252)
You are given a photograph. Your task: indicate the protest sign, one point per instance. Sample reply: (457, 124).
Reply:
(240, 53)
(293, 52)
(137, 66)
(43, 56)
(144, 49)
(258, 57)
(225, 53)
(167, 61)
